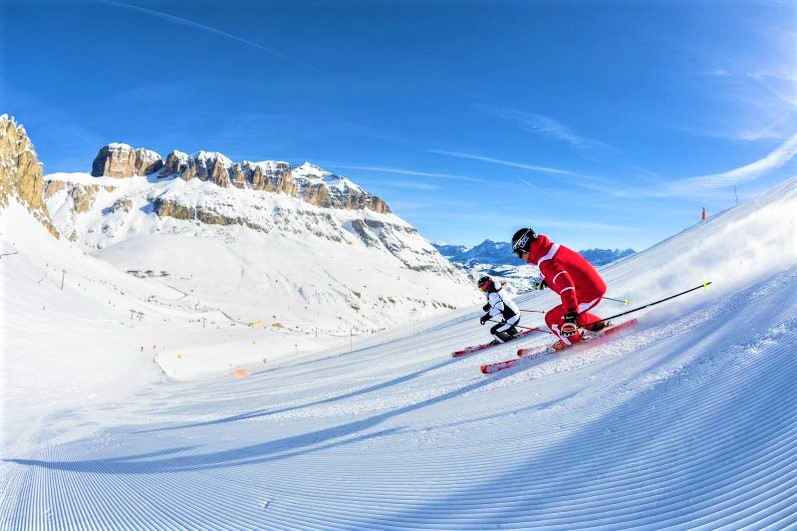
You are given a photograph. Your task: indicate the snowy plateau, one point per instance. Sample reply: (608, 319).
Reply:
(113, 420)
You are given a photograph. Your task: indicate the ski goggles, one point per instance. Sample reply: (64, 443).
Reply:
(486, 285)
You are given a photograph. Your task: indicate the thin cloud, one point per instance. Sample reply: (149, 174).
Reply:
(509, 163)
(782, 85)
(774, 130)
(716, 71)
(208, 29)
(705, 183)
(534, 187)
(543, 125)
(588, 182)
(758, 87)
(406, 172)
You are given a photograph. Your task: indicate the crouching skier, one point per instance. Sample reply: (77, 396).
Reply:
(567, 273)
(499, 305)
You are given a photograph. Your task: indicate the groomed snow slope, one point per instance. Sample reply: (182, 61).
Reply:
(690, 422)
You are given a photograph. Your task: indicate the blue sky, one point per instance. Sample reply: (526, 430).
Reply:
(601, 124)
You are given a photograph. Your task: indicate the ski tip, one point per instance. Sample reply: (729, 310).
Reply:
(626, 302)
(484, 369)
(706, 283)
(626, 324)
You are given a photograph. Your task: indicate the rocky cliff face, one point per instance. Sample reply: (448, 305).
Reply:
(269, 176)
(320, 195)
(308, 182)
(81, 195)
(21, 172)
(121, 160)
(322, 188)
(173, 209)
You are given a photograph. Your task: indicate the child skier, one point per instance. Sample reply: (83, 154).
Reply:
(499, 305)
(568, 274)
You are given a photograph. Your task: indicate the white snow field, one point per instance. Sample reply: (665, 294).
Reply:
(690, 421)
(309, 278)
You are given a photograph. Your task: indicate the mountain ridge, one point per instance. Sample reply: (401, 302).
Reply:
(22, 173)
(306, 181)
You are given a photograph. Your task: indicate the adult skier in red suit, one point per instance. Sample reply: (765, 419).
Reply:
(568, 274)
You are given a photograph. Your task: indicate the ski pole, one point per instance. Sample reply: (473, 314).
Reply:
(536, 311)
(624, 301)
(525, 327)
(703, 285)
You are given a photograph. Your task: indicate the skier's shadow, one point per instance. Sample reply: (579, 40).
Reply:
(675, 420)
(259, 453)
(266, 412)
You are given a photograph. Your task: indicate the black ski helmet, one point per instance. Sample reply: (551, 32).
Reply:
(521, 240)
(485, 283)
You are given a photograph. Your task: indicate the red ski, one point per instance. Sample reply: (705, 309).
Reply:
(478, 348)
(590, 337)
(533, 352)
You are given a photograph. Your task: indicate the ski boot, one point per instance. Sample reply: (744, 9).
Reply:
(505, 336)
(559, 345)
(576, 338)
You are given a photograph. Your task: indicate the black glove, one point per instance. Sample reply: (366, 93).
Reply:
(570, 326)
(540, 285)
(486, 307)
(484, 318)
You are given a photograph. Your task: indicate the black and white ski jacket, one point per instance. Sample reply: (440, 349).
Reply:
(502, 305)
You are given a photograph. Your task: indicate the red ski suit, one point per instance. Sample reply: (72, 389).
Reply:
(575, 280)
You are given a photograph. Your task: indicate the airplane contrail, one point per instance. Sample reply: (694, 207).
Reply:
(202, 27)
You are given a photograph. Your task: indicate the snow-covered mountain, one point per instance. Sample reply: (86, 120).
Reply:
(487, 252)
(449, 251)
(497, 260)
(259, 241)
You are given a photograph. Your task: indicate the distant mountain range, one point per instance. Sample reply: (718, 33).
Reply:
(487, 252)
(497, 260)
